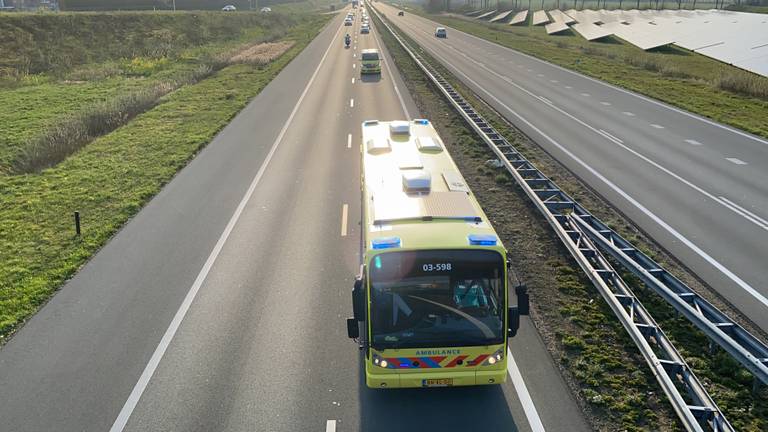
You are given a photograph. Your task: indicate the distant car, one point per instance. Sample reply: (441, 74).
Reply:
(365, 29)
(440, 32)
(266, 9)
(347, 22)
(401, 13)
(229, 8)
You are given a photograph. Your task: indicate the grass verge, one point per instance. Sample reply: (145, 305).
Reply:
(602, 366)
(49, 114)
(109, 180)
(676, 76)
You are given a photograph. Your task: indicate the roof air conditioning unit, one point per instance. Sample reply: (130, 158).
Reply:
(400, 127)
(417, 181)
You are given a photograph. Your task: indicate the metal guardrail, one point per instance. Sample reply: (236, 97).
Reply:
(667, 365)
(568, 218)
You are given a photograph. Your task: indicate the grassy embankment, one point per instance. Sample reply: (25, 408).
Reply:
(676, 76)
(600, 363)
(110, 177)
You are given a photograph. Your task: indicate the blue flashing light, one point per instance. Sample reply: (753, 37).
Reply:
(482, 239)
(386, 242)
(422, 121)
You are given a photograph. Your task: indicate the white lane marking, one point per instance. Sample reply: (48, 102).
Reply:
(628, 114)
(755, 218)
(353, 80)
(696, 249)
(657, 126)
(330, 426)
(611, 137)
(157, 355)
(736, 161)
(354, 65)
(349, 141)
(605, 103)
(344, 211)
(354, 55)
(568, 87)
(625, 91)
(529, 70)
(351, 103)
(539, 75)
(545, 100)
(693, 142)
(522, 393)
(554, 81)
(585, 94)
(392, 78)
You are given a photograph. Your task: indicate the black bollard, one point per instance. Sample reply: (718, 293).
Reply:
(77, 223)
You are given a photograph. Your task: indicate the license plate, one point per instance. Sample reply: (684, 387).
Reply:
(442, 382)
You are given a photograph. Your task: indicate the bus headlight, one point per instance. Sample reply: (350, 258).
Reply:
(494, 358)
(378, 361)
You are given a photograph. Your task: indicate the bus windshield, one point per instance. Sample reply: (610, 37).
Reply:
(437, 298)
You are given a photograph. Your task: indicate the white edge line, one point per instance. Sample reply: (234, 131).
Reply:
(522, 393)
(728, 273)
(744, 210)
(157, 355)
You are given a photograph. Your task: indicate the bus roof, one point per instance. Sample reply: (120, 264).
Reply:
(414, 192)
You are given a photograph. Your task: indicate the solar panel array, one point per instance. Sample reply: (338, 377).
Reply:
(540, 17)
(502, 16)
(736, 38)
(519, 18)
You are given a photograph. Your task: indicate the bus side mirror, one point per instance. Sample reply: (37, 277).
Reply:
(523, 305)
(353, 328)
(358, 300)
(513, 317)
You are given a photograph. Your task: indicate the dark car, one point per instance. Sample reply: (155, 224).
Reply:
(401, 13)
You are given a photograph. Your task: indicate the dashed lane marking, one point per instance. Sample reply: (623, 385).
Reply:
(344, 215)
(736, 161)
(330, 426)
(349, 141)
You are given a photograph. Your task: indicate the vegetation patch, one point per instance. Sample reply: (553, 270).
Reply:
(676, 76)
(604, 369)
(110, 179)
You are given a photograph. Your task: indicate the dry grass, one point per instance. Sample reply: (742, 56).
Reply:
(262, 53)
(744, 83)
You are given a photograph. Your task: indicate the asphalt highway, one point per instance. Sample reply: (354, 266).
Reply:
(697, 187)
(221, 305)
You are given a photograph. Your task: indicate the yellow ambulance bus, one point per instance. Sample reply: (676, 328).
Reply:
(430, 304)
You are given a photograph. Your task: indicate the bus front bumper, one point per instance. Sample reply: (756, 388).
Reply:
(435, 379)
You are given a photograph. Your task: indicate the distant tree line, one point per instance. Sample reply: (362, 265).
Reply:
(111, 5)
